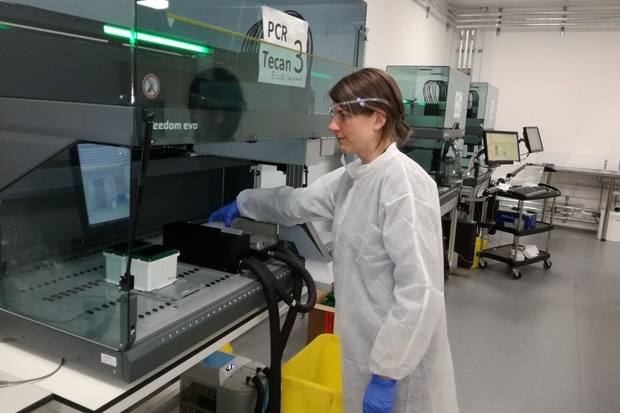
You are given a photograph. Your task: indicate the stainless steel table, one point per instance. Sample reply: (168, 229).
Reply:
(604, 173)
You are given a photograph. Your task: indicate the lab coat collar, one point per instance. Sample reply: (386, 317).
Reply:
(357, 169)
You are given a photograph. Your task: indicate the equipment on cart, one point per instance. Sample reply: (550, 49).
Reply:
(520, 223)
(501, 148)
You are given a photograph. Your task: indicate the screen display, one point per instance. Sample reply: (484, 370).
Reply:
(106, 180)
(501, 147)
(532, 139)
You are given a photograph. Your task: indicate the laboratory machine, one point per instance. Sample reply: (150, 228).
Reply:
(122, 127)
(435, 100)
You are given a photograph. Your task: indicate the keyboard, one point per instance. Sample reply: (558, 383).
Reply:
(548, 167)
(528, 191)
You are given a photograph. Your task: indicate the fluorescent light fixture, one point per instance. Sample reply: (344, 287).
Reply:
(155, 39)
(154, 4)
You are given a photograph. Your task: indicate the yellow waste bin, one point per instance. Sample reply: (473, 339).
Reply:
(312, 379)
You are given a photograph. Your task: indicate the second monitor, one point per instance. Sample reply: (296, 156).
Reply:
(531, 136)
(501, 147)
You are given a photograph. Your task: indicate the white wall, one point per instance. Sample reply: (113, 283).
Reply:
(568, 86)
(401, 34)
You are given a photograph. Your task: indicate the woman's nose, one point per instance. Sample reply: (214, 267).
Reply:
(333, 125)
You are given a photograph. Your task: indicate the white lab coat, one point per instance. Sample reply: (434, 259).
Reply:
(388, 274)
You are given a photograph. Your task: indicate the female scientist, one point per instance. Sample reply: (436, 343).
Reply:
(387, 253)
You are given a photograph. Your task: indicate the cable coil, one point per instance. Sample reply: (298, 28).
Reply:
(273, 291)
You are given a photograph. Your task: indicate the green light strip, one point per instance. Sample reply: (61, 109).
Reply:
(150, 38)
(117, 31)
(321, 75)
(173, 43)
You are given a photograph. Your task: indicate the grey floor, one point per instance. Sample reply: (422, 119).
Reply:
(548, 342)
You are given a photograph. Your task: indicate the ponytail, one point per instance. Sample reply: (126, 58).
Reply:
(402, 132)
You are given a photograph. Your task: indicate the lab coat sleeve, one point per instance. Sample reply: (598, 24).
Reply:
(412, 238)
(290, 206)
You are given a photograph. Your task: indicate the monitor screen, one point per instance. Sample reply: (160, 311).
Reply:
(501, 147)
(106, 180)
(531, 135)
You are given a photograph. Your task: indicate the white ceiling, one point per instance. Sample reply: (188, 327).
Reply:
(457, 4)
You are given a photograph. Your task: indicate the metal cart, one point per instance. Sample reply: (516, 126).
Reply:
(508, 253)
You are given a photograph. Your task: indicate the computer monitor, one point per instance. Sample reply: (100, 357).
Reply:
(105, 172)
(531, 135)
(501, 147)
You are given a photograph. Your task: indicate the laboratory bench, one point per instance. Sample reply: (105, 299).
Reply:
(74, 388)
(600, 173)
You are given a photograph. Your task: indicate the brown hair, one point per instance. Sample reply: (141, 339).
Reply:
(375, 83)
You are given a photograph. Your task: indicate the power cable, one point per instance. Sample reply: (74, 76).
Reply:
(7, 383)
(274, 290)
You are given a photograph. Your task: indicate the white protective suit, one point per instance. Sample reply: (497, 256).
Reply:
(388, 274)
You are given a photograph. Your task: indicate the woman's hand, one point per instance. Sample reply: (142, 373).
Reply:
(379, 396)
(226, 213)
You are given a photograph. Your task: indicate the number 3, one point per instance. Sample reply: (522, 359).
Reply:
(299, 56)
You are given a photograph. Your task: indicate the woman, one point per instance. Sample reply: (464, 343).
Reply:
(387, 253)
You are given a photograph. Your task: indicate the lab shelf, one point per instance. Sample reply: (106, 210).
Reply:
(538, 229)
(503, 254)
(507, 253)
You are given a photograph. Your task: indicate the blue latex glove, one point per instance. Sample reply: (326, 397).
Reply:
(226, 213)
(379, 396)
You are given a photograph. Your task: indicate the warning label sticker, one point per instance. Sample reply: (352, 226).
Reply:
(150, 86)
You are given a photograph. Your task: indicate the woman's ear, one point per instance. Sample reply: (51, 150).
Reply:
(379, 120)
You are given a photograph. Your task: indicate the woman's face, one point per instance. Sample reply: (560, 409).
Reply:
(357, 134)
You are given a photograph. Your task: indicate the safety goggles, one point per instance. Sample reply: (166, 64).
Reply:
(354, 106)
